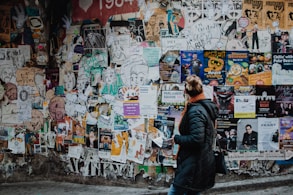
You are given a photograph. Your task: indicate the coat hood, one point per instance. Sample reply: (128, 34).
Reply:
(211, 108)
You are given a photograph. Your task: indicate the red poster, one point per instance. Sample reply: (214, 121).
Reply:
(102, 9)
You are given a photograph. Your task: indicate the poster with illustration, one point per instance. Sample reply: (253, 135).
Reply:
(214, 67)
(237, 68)
(137, 143)
(224, 98)
(273, 10)
(119, 146)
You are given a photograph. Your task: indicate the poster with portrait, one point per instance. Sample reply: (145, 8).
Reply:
(284, 100)
(105, 140)
(286, 133)
(191, 63)
(24, 103)
(281, 42)
(268, 134)
(92, 139)
(247, 134)
(227, 133)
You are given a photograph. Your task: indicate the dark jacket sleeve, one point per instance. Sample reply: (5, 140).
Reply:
(192, 135)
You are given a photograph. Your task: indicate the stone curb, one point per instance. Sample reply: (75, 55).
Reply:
(241, 185)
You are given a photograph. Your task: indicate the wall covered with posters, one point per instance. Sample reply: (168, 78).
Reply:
(102, 91)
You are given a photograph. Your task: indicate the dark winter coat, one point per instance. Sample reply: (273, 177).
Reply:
(195, 161)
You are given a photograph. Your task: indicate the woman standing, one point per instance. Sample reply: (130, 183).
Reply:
(195, 161)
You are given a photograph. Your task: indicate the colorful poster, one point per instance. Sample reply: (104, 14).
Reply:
(191, 63)
(263, 78)
(237, 68)
(260, 72)
(253, 10)
(131, 109)
(286, 133)
(265, 100)
(119, 146)
(268, 134)
(214, 67)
